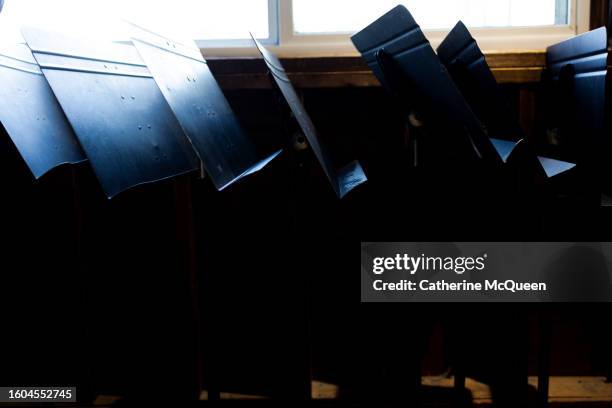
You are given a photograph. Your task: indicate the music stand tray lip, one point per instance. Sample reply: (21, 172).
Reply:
(505, 148)
(32, 117)
(343, 180)
(254, 169)
(554, 167)
(350, 177)
(118, 113)
(191, 91)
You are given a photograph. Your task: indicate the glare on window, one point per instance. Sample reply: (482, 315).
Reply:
(347, 16)
(204, 20)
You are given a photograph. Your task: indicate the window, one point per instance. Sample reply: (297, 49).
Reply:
(305, 27)
(348, 16)
(214, 21)
(496, 24)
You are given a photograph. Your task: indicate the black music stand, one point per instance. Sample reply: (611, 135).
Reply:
(126, 128)
(575, 85)
(302, 134)
(119, 115)
(400, 56)
(575, 88)
(37, 139)
(213, 129)
(31, 115)
(201, 108)
(343, 180)
(468, 67)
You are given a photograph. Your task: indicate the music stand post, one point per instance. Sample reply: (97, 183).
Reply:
(302, 138)
(544, 353)
(574, 84)
(398, 88)
(297, 180)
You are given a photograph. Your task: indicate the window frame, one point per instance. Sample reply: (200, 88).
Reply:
(237, 44)
(288, 44)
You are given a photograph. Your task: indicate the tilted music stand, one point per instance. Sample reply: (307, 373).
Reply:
(468, 67)
(200, 106)
(31, 115)
(456, 151)
(119, 115)
(38, 139)
(343, 180)
(575, 85)
(213, 129)
(400, 56)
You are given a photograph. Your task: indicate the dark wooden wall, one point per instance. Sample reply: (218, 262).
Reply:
(600, 13)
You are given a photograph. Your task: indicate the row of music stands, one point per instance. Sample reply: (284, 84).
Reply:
(139, 113)
(396, 50)
(473, 107)
(187, 102)
(151, 110)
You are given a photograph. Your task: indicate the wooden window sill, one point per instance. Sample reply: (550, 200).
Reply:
(337, 72)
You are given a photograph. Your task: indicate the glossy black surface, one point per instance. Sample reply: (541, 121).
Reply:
(201, 108)
(121, 118)
(343, 180)
(31, 115)
(427, 86)
(468, 67)
(576, 88)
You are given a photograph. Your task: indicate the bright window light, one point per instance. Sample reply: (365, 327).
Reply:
(195, 19)
(348, 16)
(296, 27)
(203, 19)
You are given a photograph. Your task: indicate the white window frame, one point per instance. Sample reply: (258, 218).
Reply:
(286, 43)
(236, 45)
